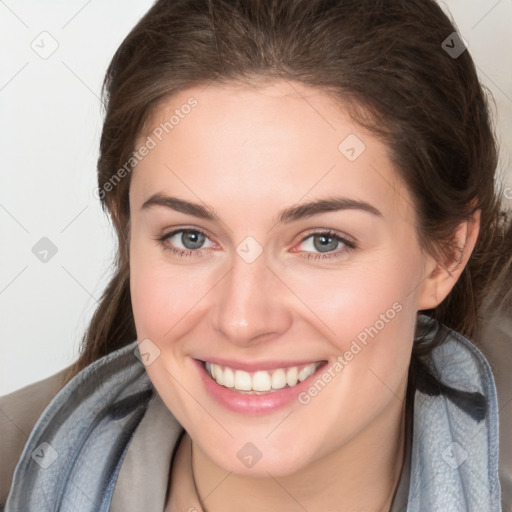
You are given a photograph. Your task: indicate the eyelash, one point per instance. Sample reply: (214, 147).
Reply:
(349, 244)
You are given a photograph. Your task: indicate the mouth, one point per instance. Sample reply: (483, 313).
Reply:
(260, 381)
(249, 388)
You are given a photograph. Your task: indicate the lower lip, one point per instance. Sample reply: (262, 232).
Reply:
(254, 404)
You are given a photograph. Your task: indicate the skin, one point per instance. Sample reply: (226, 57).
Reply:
(248, 153)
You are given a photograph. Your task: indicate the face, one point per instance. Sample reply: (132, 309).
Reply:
(232, 284)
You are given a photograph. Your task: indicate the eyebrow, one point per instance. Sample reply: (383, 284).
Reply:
(294, 213)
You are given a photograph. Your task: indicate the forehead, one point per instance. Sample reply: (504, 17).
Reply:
(278, 139)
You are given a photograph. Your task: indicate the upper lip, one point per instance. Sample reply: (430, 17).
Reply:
(261, 365)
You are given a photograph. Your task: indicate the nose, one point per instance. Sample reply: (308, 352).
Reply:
(253, 305)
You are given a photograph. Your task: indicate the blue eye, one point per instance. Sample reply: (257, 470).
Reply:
(192, 242)
(325, 242)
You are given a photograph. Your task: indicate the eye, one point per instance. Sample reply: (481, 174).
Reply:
(325, 242)
(184, 242)
(187, 242)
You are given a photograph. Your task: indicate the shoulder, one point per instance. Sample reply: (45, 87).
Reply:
(495, 339)
(19, 412)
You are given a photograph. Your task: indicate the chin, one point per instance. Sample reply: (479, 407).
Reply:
(246, 459)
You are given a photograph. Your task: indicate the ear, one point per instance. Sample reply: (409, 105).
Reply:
(439, 278)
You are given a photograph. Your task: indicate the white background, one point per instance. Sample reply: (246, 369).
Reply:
(50, 126)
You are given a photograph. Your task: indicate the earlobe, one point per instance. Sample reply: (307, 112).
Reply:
(441, 278)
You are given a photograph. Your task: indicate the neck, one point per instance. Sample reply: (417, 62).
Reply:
(361, 475)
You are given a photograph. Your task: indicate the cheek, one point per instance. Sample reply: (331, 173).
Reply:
(361, 301)
(368, 314)
(149, 290)
(166, 299)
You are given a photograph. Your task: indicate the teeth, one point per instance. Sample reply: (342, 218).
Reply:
(242, 380)
(218, 374)
(229, 378)
(260, 380)
(291, 376)
(305, 373)
(278, 379)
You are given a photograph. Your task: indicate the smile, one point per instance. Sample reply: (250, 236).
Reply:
(261, 381)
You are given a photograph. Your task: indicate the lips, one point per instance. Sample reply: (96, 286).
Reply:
(251, 402)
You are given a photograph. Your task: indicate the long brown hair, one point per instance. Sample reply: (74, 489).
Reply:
(384, 59)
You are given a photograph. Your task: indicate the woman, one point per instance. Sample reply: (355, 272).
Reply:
(308, 227)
